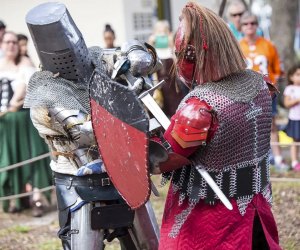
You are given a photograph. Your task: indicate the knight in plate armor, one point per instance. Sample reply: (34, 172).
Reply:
(91, 209)
(223, 127)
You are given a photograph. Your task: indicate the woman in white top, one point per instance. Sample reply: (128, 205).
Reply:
(18, 138)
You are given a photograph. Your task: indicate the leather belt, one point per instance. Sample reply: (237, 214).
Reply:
(86, 181)
(248, 181)
(234, 183)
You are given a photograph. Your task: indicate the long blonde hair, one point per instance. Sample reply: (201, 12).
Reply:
(217, 51)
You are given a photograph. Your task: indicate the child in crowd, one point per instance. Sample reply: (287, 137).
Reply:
(292, 102)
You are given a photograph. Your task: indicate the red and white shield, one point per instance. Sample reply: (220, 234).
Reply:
(120, 124)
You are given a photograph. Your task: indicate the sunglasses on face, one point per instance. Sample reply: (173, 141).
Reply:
(250, 23)
(13, 42)
(237, 14)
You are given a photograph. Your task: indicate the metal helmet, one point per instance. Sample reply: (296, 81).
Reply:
(59, 43)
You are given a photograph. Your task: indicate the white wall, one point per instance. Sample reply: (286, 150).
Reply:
(145, 10)
(89, 15)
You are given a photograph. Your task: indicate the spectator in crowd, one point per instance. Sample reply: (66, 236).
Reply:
(2, 31)
(261, 56)
(234, 12)
(162, 39)
(292, 102)
(23, 42)
(19, 140)
(109, 37)
(170, 94)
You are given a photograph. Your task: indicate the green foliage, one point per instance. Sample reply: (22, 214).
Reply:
(51, 244)
(15, 229)
(21, 229)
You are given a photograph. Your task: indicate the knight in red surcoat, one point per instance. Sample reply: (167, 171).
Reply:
(222, 126)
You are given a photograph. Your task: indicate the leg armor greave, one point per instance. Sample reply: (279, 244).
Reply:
(82, 235)
(105, 216)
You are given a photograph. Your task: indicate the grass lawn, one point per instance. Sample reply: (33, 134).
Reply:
(22, 232)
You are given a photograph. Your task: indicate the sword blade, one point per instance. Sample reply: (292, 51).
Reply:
(156, 110)
(214, 187)
(150, 91)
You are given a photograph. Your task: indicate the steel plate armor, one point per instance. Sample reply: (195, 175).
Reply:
(90, 207)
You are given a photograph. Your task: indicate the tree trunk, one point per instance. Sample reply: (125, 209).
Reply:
(284, 20)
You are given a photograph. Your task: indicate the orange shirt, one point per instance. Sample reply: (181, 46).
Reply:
(262, 57)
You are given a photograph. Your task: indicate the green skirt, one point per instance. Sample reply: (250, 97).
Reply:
(20, 141)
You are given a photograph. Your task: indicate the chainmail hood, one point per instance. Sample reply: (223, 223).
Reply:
(46, 90)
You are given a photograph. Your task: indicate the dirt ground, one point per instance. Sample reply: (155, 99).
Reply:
(23, 232)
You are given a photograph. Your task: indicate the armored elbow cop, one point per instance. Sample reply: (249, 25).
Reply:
(76, 124)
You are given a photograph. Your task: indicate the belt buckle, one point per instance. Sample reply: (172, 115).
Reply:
(105, 182)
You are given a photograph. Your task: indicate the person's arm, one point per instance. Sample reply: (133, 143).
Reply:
(289, 102)
(191, 127)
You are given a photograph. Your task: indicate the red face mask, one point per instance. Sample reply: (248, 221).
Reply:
(186, 62)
